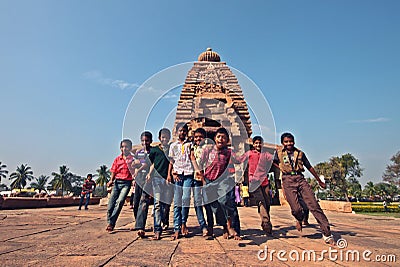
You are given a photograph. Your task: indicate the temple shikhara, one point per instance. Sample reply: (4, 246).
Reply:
(211, 98)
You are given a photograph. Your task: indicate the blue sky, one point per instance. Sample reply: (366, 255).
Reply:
(68, 70)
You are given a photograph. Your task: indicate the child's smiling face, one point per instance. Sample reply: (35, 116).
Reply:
(146, 141)
(221, 140)
(125, 148)
(198, 137)
(182, 133)
(164, 139)
(288, 143)
(257, 145)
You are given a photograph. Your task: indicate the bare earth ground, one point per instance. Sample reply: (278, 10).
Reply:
(68, 237)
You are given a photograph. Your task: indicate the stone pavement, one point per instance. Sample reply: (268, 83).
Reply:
(68, 237)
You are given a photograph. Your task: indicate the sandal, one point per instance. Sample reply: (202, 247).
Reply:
(141, 233)
(157, 236)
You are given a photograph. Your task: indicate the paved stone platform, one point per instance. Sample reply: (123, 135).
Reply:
(68, 237)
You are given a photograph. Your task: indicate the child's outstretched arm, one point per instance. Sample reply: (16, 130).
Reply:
(148, 176)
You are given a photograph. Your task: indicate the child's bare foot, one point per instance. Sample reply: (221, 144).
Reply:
(157, 236)
(299, 227)
(237, 237)
(141, 233)
(185, 231)
(233, 234)
(175, 236)
(110, 228)
(225, 234)
(205, 232)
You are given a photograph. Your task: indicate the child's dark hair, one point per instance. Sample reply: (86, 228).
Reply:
(126, 141)
(89, 175)
(164, 131)
(286, 135)
(201, 131)
(182, 125)
(222, 130)
(147, 134)
(258, 138)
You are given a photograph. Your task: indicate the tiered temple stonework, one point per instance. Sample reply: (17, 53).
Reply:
(211, 98)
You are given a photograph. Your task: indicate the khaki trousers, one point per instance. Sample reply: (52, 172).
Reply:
(293, 186)
(263, 198)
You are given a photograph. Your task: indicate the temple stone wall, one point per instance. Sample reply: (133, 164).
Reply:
(211, 98)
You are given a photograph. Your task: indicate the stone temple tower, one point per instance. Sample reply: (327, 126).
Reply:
(211, 98)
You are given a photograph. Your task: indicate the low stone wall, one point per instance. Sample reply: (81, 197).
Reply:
(23, 203)
(32, 203)
(340, 206)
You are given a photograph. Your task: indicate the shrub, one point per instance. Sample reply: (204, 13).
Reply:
(373, 207)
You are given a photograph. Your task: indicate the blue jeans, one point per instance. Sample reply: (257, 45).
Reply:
(83, 196)
(233, 213)
(161, 193)
(182, 200)
(218, 197)
(117, 199)
(198, 203)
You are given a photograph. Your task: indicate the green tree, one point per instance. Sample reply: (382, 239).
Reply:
(23, 174)
(392, 172)
(341, 172)
(314, 184)
(3, 171)
(385, 190)
(354, 187)
(104, 175)
(62, 180)
(369, 190)
(40, 183)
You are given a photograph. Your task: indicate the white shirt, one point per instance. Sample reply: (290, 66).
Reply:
(180, 153)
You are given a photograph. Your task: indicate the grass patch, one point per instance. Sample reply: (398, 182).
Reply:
(386, 214)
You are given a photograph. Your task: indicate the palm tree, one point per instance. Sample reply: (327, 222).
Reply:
(369, 189)
(62, 180)
(3, 171)
(23, 173)
(40, 183)
(104, 176)
(353, 187)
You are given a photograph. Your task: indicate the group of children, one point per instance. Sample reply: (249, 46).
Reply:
(171, 172)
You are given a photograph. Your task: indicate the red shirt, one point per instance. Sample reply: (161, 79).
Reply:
(123, 168)
(88, 186)
(215, 162)
(259, 165)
